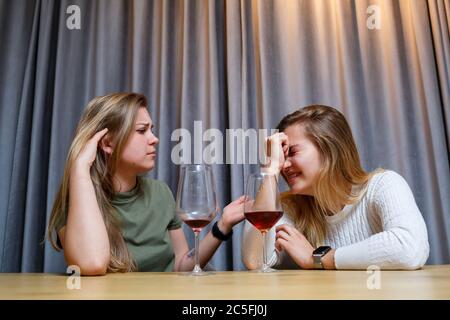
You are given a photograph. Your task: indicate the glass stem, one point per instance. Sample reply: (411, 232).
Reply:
(197, 259)
(264, 266)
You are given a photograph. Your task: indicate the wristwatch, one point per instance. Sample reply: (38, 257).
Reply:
(218, 234)
(318, 254)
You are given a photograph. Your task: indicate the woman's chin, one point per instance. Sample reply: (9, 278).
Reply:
(145, 168)
(299, 189)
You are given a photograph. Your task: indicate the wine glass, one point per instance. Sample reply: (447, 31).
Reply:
(262, 207)
(196, 202)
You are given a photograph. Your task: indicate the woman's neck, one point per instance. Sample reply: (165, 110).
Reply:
(124, 182)
(331, 213)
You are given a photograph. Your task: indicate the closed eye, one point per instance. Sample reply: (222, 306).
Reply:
(142, 130)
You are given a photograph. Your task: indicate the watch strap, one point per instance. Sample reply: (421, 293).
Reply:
(219, 234)
(318, 262)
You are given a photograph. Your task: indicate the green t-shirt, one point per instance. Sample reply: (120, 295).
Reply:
(146, 219)
(147, 213)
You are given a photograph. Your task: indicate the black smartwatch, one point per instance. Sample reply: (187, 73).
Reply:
(218, 234)
(318, 255)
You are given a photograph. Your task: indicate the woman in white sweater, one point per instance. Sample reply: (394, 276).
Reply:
(345, 217)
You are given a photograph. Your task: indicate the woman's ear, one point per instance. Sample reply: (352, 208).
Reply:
(106, 144)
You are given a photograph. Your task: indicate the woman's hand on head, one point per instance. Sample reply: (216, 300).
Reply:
(232, 215)
(277, 149)
(289, 239)
(89, 152)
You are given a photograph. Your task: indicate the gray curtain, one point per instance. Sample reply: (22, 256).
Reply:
(231, 64)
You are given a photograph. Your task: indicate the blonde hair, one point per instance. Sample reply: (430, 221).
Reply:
(117, 112)
(341, 170)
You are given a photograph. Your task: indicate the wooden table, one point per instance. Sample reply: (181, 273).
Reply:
(432, 282)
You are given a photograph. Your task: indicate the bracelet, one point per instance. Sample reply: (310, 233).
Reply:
(218, 234)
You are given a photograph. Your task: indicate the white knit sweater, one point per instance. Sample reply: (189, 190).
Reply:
(385, 228)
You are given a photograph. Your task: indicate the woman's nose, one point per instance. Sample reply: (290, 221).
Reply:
(153, 139)
(287, 163)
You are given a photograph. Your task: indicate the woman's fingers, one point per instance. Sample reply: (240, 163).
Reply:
(280, 244)
(277, 150)
(88, 153)
(249, 203)
(282, 235)
(281, 240)
(234, 211)
(99, 135)
(241, 199)
(279, 138)
(284, 138)
(285, 227)
(291, 231)
(93, 142)
(286, 151)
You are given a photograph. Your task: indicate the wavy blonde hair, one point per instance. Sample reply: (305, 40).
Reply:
(341, 170)
(117, 112)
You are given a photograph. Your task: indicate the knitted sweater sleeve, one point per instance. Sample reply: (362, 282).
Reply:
(403, 242)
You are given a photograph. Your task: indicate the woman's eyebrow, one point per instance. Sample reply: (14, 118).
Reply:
(143, 123)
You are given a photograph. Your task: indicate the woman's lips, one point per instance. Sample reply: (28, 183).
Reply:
(292, 177)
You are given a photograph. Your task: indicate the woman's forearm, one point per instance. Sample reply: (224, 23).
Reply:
(252, 246)
(264, 199)
(86, 242)
(328, 260)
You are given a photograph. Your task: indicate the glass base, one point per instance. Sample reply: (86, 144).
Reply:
(265, 269)
(197, 272)
(200, 273)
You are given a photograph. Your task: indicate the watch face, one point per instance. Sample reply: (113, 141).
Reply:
(322, 250)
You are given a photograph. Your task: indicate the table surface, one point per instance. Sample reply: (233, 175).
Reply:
(431, 282)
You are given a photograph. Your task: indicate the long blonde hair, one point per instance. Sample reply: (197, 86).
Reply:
(117, 112)
(341, 170)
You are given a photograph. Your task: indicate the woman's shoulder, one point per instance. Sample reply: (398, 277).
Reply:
(384, 181)
(383, 176)
(155, 186)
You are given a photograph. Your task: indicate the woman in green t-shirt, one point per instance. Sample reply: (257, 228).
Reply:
(106, 217)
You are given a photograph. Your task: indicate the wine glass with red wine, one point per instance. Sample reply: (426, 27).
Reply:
(196, 202)
(262, 207)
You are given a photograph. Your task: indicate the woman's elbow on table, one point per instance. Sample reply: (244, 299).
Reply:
(250, 262)
(94, 270)
(409, 264)
(251, 265)
(92, 267)
(411, 257)
(415, 258)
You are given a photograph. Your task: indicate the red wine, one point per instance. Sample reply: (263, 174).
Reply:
(263, 220)
(197, 224)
